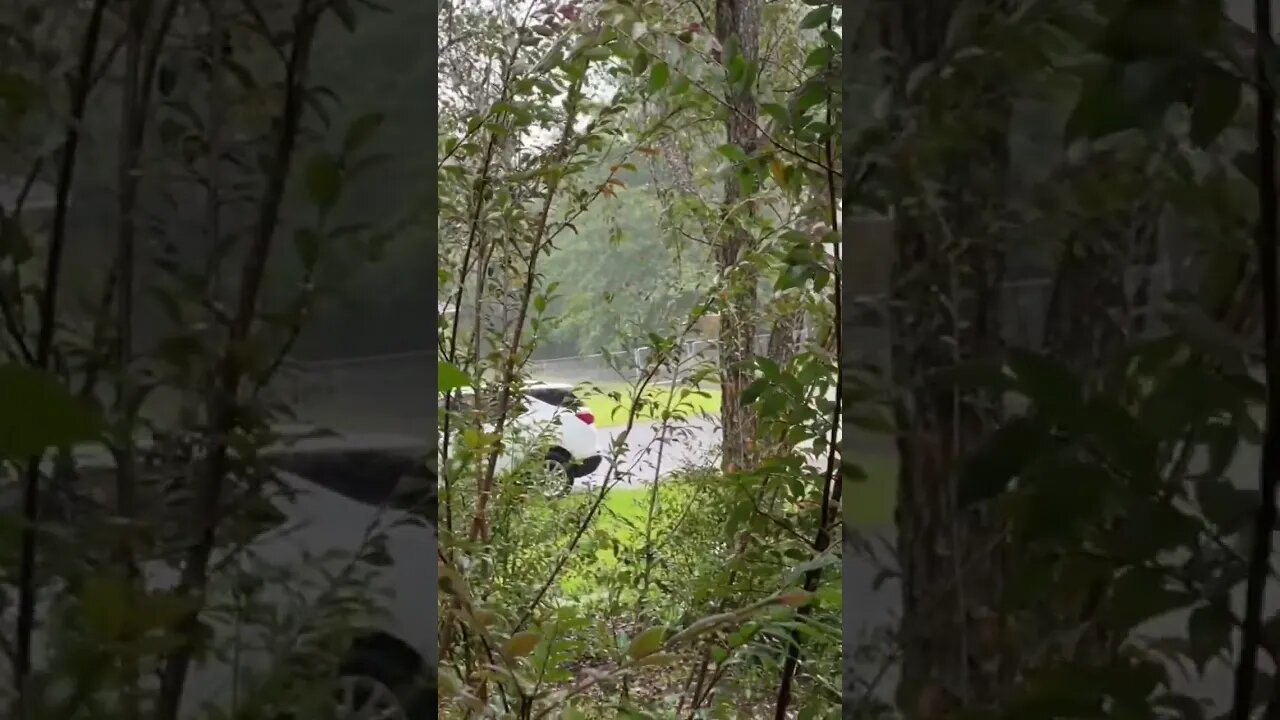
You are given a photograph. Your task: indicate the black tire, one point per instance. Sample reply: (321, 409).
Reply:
(562, 479)
(400, 674)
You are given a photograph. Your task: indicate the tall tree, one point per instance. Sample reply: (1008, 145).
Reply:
(1091, 311)
(738, 32)
(946, 279)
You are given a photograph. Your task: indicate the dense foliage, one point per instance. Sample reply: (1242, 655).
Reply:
(594, 194)
(1077, 514)
(176, 189)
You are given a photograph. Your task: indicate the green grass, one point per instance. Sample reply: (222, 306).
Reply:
(868, 505)
(611, 412)
(625, 509)
(622, 515)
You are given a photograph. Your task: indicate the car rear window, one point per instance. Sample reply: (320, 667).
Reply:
(488, 403)
(559, 397)
(466, 401)
(416, 493)
(371, 477)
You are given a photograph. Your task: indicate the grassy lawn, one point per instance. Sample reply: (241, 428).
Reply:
(622, 515)
(610, 412)
(868, 506)
(625, 509)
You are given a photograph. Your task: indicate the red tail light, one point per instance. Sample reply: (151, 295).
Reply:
(586, 417)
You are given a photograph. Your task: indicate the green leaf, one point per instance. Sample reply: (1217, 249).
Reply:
(657, 659)
(733, 153)
(1146, 29)
(819, 56)
(15, 244)
(809, 95)
(361, 130)
(346, 15)
(377, 557)
(1209, 632)
(1208, 334)
(1246, 162)
(640, 63)
(1228, 507)
(1139, 595)
(17, 92)
(1124, 441)
(754, 391)
(521, 644)
(989, 470)
(647, 642)
(324, 181)
(37, 413)
(747, 181)
(795, 598)
(106, 607)
(1214, 105)
(450, 378)
(816, 17)
(777, 113)
(1103, 108)
(553, 59)
(659, 74)
(1221, 441)
(1065, 498)
(166, 80)
(1184, 396)
(307, 242)
(1048, 383)
(448, 683)
(976, 374)
(1151, 526)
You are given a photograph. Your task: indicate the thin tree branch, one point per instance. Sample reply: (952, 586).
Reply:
(777, 144)
(823, 537)
(1265, 522)
(225, 391)
(44, 350)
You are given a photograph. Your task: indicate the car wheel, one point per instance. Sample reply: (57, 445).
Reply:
(376, 687)
(556, 471)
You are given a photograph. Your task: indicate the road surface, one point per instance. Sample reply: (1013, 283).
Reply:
(653, 451)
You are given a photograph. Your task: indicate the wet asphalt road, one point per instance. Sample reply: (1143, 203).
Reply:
(652, 451)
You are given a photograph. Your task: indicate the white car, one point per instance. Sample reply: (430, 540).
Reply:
(350, 511)
(550, 424)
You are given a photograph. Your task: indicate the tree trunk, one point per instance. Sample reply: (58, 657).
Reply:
(952, 559)
(1149, 253)
(1085, 323)
(784, 337)
(1090, 314)
(946, 309)
(738, 31)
